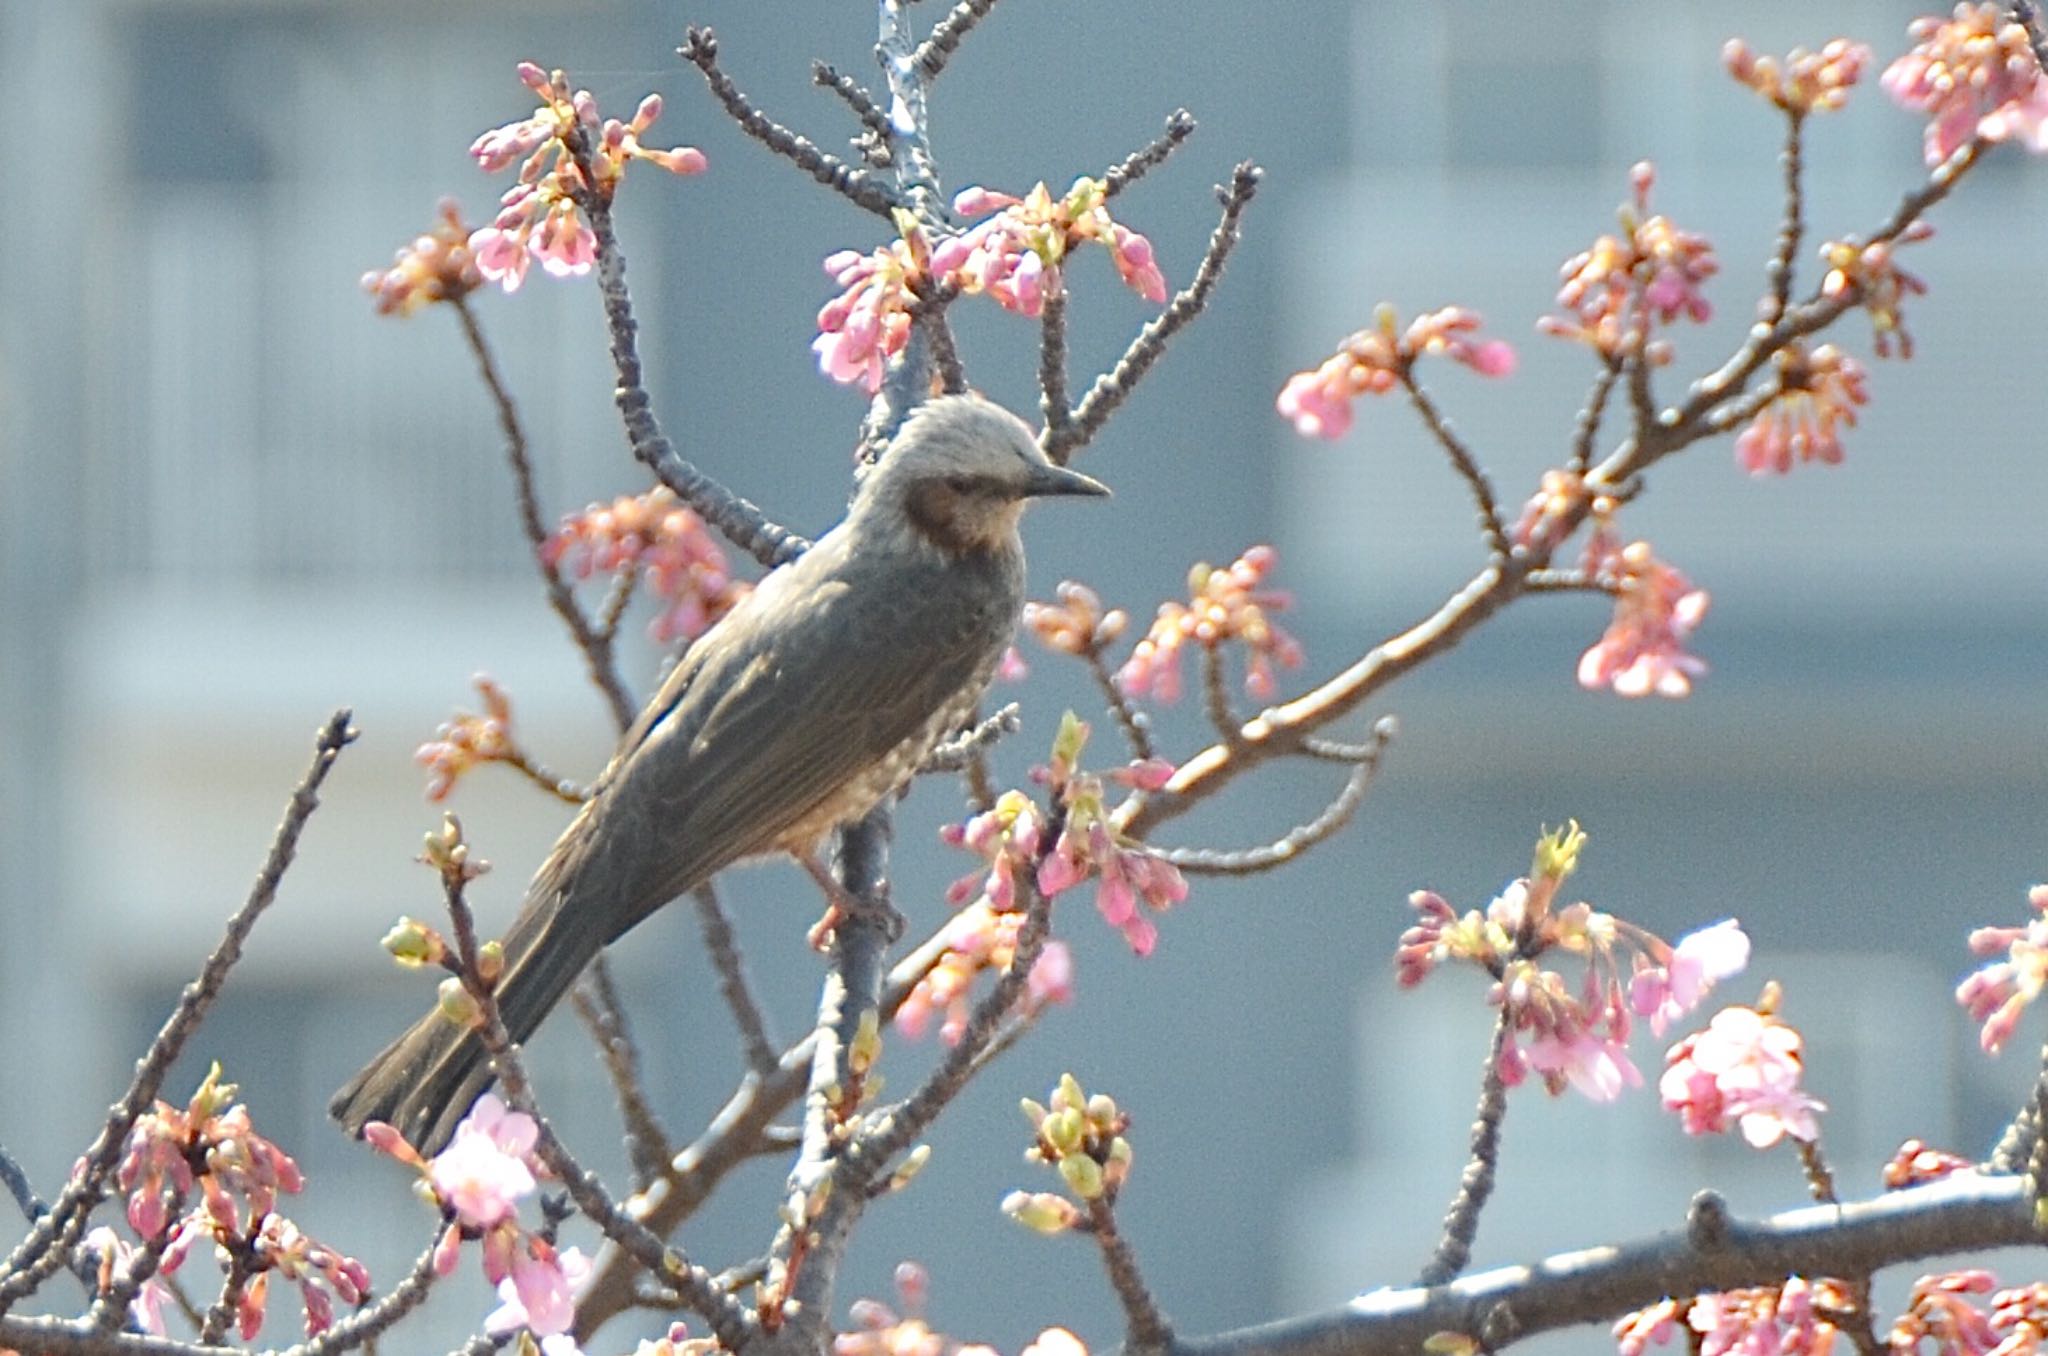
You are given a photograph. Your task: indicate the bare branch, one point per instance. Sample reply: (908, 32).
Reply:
(1052, 361)
(1462, 461)
(946, 36)
(561, 788)
(1146, 1328)
(1112, 388)
(1714, 1252)
(597, 1003)
(700, 49)
(1778, 273)
(1461, 1222)
(957, 753)
(744, 525)
(862, 103)
(1180, 125)
(594, 642)
(366, 1325)
(1590, 415)
(53, 1235)
(724, 949)
(1251, 861)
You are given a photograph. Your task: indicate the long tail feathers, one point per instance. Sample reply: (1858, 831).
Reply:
(424, 1082)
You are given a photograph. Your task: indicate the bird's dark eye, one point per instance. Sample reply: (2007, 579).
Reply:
(960, 484)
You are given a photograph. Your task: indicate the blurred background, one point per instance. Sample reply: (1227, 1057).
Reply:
(232, 499)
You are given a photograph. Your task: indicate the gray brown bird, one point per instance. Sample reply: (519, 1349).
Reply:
(811, 701)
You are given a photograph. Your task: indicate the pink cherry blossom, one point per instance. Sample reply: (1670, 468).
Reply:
(540, 1294)
(1376, 360)
(1998, 993)
(1232, 604)
(1699, 961)
(1976, 77)
(1802, 82)
(482, 1175)
(1744, 1067)
(1015, 256)
(1619, 290)
(1643, 650)
(1817, 392)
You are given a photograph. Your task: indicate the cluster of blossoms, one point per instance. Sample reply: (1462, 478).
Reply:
(883, 1330)
(1376, 360)
(538, 217)
(1232, 603)
(1976, 76)
(1569, 1037)
(1013, 257)
(1802, 82)
(1082, 1138)
(1818, 390)
(1996, 994)
(1653, 271)
(477, 1183)
(1793, 1319)
(1744, 1068)
(676, 556)
(980, 938)
(1010, 836)
(467, 739)
(1870, 275)
(437, 266)
(1656, 609)
(209, 1148)
(869, 322)
(1077, 623)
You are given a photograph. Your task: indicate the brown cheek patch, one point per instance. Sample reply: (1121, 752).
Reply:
(936, 511)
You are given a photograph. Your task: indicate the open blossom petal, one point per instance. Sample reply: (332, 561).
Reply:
(1974, 75)
(1643, 651)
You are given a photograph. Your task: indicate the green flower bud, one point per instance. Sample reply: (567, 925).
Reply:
(1041, 1211)
(1083, 1175)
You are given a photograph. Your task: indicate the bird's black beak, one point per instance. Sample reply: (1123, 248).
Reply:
(1049, 480)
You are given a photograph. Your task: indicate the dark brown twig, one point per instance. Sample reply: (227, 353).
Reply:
(755, 1044)
(870, 114)
(597, 1003)
(959, 752)
(1135, 724)
(1463, 462)
(1113, 387)
(946, 36)
(560, 787)
(743, 524)
(1589, 417)
(594, 642)
(700, 49)
(1146, 1328)
(1778, 273)
(1180, 125)
(1334, 816)
(1461, 1223)
(54, 1234)
(1052, 361)
(366, 1325)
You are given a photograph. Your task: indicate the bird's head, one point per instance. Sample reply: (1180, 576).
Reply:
(959, 473)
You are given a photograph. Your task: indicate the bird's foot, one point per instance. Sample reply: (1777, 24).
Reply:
(843, 905)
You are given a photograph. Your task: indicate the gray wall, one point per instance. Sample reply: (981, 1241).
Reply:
(233, 499)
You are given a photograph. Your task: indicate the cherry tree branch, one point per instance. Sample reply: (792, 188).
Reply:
(50, 1239)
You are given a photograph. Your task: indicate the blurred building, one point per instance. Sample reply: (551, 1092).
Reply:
(232, 499)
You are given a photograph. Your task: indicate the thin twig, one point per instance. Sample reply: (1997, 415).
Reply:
(616, 600)
(1461, 1222)
(53, 1235)
(1135, 724)
(1052, 359)
(2028, 16)
(1778, 273)
(1180, 125)
(1216, 693)
(594, 642)
(366, 1325)
(743, 524)
(16, 1181)
(597, 1003)
(728, 1319)
(561, 788)
(755, 1043)
(959, 752)
(1113, 387)
(946, 36)
(864, 190)
(1146, 1328)
(241, 1270)
(1462, 461)
(862, 103)
(1565, 581)
(929, 313)
(1589, 417)
(110, 1308)
(1334, 816)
